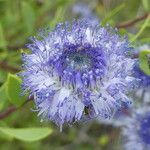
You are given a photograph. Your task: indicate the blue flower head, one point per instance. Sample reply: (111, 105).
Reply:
(143, 92)
(118, 119)
(78, 70)
(82, 10)
(138, 73)
(144, 78)
(136, 132)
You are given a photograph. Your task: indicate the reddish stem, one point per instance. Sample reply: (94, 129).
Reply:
(6, 113)
(132, 22)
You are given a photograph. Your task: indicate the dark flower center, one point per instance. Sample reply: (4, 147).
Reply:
(79, 61)
(145, 129)
(80, 66)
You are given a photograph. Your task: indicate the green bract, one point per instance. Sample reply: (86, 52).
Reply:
(144, 58)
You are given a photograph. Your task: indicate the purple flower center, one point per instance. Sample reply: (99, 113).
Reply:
(145, 129)
(80, 66)
(79, 61)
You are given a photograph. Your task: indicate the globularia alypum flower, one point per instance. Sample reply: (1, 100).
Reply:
(137, 130)
(138, 73)
(118, 119)
(82, 10)
(144, 89)
(77, 70)
(144, 78)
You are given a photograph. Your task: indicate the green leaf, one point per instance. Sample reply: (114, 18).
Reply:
(58, 16)
(13, 89)
(145, 24)
(145, 40)
(27, 134)
(103, 140)
(3, 55)
(29, 17)
(3, 42)
(4, 136)
(3, 96)
(112, 13)
(144, 57)
(3, 76)
(146, 5)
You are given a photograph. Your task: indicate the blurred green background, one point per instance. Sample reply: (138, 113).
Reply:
(20, 19)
